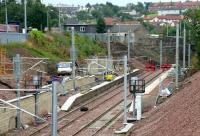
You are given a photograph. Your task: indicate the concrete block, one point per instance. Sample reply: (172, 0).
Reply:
(7, 117)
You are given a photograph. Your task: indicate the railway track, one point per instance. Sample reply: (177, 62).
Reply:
(67, 121)
(115, 112)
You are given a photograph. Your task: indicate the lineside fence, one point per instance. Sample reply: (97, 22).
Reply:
(12, 37)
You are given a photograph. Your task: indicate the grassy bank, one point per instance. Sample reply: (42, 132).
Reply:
(55, 46)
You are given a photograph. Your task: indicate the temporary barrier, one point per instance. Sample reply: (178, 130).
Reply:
(166, 66)
(150, 67)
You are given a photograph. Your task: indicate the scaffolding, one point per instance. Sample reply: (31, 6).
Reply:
(6, 67)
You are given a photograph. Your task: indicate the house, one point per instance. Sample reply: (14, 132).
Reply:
(175, 8)
(81, 27)
(169, 12)
(68, 10)
(132, 12)
(9, 28)
(171, 20)
(121, 29)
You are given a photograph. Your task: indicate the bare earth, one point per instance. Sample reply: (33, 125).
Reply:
(178, 116)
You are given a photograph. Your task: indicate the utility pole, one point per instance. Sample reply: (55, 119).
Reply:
(133, 41)
(161, 52)
(189, 51)
(25, 17)
(129, 42)
(167, 30)
(125, 89)
(108, 44)
(184, 43)
(189, 55)
(54, 108)
(59, 19)
(6, 14)
(180, 29)
(73, 59)
(177, 54)
(17, 70)
(47, 20)
(37, 82)
(109, 52)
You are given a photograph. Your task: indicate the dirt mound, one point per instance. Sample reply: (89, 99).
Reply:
(178, 116)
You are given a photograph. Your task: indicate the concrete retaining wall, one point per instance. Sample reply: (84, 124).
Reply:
(68, 85)
(8, 116)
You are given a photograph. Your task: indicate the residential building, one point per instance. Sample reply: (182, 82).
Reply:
(132, 12)
(81, 28)
(175, 8)
(68, 10)
(171, 20)
(162, 12)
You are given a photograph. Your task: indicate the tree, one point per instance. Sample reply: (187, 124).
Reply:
(96, 14)
(38, 21)
(101, 25)
(88, 6)
(82, 15)
(192, 18)
(140, 7)
(36, 13)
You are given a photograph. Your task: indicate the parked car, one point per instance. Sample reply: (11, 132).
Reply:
(64, 68)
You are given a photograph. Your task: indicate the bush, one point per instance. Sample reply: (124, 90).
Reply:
(37, 36)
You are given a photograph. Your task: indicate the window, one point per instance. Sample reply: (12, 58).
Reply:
(82, 29)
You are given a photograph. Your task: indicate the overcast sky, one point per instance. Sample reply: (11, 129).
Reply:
(115, 2)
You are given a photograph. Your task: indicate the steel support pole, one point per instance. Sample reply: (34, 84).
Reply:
(18, 105)
(184, 44)
(125, 89)
(38, 83)
(189, 55)
(129, 42)
(180, 30)
(59, 19)
(177, 54)
(161, 53)
(37, 104)
(47, 20)
(109, 51)
(73, 60)
(167, 30)
(108, 46)
(6, 14)
(25, 17)
(17, 64)
(54, 108)
(133, 82)
(133, 41)
(106, 65)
